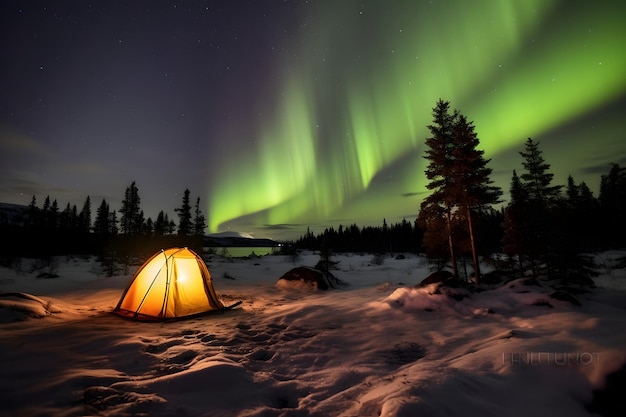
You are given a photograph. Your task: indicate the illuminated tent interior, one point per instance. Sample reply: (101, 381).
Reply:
(173, 283)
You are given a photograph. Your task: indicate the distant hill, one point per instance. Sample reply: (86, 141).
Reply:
(12, 213)
(237, 239)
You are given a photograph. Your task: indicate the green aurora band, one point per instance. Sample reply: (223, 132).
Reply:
(344, 138)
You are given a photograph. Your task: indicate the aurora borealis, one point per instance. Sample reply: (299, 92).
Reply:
(283, 115)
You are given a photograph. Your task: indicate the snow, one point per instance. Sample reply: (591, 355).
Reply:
(377, 347)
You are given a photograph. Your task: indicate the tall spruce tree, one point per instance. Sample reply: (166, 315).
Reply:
(459, 180)
(199, 221)
(612, 197)
(471, 186)
(113, 223)
(84, 218)
(514, 239)
(131, 220)
(536, 179)
(184, 216)
(532, 216)
(439, 154)
(161, 224)
(33, 215)
(101, 225)
(580, 218)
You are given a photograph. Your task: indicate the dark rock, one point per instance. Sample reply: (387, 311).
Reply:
(565, 296)
(436, 277)
(322, 280)
(400, 256)
(446, 283)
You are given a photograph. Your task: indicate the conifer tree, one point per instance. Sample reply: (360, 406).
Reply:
(84, 218)
(184, 215)
(531, 225)
(514, 240)
(537, 179)
(113, 229)
(101, 225)
(131, 221)
(580, 217)
(459, 180)
(199, 221)
(471, 185)
(65, 220)
(438, 172)
(33, 214)
(148, 227)
(53, 215)
(171, 227)
(612, 197)
(161, 224)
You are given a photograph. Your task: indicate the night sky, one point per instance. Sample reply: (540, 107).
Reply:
(285, 114)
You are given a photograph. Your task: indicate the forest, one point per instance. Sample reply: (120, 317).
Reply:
(463, 219)
(543, 228)
(47, 231)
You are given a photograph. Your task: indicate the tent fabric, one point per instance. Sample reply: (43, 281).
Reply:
(173, 283)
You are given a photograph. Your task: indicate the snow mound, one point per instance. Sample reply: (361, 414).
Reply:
(17, 306)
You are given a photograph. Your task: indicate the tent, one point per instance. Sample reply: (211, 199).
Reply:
(171, 284)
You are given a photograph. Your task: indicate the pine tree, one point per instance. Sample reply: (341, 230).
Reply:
(536, 179)
(65, 221)
(101, 225)
(184, 215)
(148, 227)
(171, 227)
(459, 180)
(580, 217)
(532, 213)
(161, 224)
(514, 240)
(199, 221)
(131, 221)
(84, 218)
(612, 197)
(113, 229)
(438, 172)
(471, 186)
(33, 215)
(53, 215)
(140, 224)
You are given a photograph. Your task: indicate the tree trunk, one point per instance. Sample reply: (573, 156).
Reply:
(455, 269)
(474, 254)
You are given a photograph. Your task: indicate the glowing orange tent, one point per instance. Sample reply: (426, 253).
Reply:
(171, 284)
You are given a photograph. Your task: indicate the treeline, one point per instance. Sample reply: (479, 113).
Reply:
(544, 228)
(398, 237)
(48, 230)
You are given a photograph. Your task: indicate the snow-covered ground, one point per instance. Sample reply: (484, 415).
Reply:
(378, 347)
